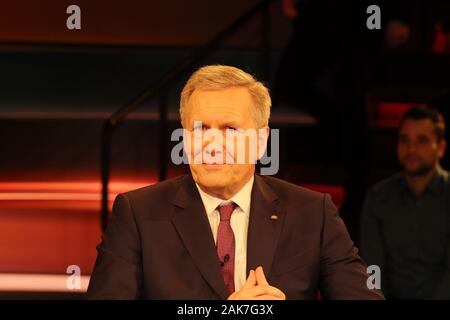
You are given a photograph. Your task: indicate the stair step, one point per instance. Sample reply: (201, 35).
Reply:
(388, 114)
(336, 192)
(47, 226)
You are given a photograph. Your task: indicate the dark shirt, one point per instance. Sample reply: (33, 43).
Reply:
(408, 237)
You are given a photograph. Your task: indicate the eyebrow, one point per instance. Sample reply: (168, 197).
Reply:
(223, 125)
(421, 135)
(230, 124)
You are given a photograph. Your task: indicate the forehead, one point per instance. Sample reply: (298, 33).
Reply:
(233, 102)
(417, 127)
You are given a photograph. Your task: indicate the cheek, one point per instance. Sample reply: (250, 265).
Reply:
(427, 152)
(441, 152)
(195, 170)
(242, 150)
(193, 148)
(436, 154)
(239, 171)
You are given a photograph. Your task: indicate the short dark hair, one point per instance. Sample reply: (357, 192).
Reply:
(425, 112)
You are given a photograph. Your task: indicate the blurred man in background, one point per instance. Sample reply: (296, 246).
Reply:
(325, 71)
(406, 220)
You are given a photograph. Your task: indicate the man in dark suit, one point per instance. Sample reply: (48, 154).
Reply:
(223, 232)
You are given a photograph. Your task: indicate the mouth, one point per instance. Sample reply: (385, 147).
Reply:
(210, 160)
(213, 166)
(412, 159)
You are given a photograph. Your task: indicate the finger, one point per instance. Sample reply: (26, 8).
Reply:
(266, 297)
(251, 281)
(261, 280)
(272, 291)
(260, 290)
(261, 277)
(232, 296)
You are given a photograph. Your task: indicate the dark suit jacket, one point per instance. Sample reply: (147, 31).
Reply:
(159, 245)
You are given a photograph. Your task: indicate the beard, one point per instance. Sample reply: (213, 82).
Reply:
(421, 170)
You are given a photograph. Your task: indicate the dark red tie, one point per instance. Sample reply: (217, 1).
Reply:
(226, 245)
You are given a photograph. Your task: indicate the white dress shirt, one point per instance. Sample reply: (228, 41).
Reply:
(239, 224)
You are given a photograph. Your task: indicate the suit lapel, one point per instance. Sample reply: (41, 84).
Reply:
(192, 224)
(265, 224)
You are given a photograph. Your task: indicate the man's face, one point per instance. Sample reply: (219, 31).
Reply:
(219, 111)
(418, 148)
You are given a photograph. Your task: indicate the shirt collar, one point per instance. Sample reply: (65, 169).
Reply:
(242, 198)
(436, 183)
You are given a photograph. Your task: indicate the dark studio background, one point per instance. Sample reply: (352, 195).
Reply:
(338, 90)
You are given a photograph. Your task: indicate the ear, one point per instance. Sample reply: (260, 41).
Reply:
(441, 148)
(263, 137)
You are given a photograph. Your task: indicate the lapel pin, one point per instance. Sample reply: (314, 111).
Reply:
(274, 217)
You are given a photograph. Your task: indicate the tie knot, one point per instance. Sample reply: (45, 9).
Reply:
(226, 210)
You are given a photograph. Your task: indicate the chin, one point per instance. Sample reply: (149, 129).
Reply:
(213, 185)
(418, 171)
(411, 168)
(216, 177)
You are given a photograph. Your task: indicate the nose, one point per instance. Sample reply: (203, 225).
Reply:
(212, 147)
(213, 143)
(409, 146)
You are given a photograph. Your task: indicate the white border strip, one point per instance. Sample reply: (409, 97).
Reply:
(53, 196)
(25, 282)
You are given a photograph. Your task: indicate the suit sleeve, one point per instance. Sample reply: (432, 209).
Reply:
(118, 270)
(343, 273)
